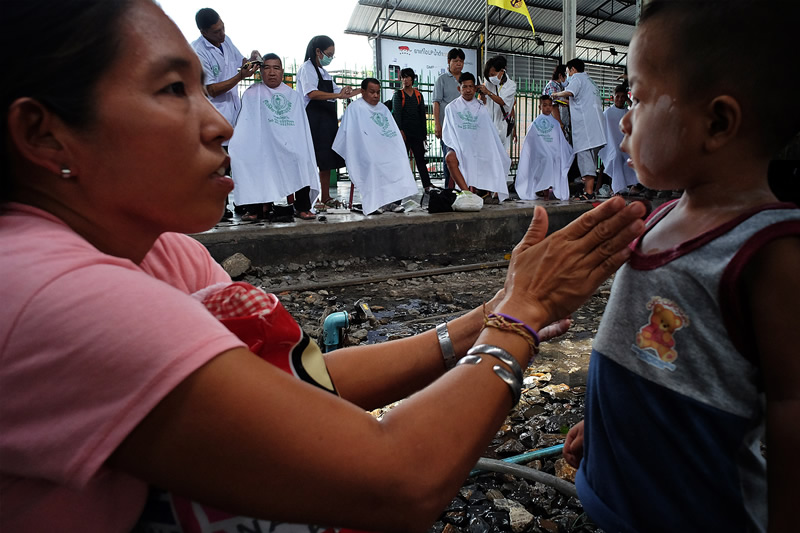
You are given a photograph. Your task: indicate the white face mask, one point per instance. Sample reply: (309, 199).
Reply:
(495, 80)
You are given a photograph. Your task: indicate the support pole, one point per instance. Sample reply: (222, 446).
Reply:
(479, 68)
(569, 20)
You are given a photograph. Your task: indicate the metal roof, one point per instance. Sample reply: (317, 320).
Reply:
(600, 26)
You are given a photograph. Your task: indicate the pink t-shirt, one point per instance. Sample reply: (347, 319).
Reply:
(89, 344)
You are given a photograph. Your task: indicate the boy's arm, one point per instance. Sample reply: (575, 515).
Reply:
(773, 287)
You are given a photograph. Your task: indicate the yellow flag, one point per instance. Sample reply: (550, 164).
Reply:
(517, 6)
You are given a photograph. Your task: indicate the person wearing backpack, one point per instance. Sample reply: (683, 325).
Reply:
(409, 111)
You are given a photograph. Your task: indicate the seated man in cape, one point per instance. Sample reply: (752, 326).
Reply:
(545, 158)
(272, 154)
(614, 159)
(476, 158)
(373, 150)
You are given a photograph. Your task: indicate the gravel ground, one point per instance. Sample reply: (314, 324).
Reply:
(552, 398)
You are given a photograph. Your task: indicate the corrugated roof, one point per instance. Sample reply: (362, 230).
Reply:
(600, 25)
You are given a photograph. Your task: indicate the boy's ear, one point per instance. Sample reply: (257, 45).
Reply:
(725, 120)
(34, 131)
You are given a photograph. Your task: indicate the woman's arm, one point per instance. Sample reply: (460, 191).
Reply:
(215, 89)
(246, 437)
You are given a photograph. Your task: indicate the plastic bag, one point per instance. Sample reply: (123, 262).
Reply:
(467, 201)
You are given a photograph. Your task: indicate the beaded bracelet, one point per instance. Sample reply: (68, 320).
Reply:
(509, 323)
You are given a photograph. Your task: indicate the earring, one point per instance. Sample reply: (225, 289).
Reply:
(66, 173)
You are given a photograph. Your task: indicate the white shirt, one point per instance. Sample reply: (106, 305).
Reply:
(586, 113)
(373, 149)
(506, 91)
(307, 81)
(272, 154)
(220, 66)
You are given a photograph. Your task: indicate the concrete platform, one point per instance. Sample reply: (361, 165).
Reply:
(411, 234)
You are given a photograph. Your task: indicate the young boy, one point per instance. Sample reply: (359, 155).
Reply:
(476, 157)
(372, 146)
(695, 357)
(545, 158)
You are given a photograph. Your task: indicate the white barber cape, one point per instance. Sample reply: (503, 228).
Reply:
(544, 160)
(586, 113)
(375, 154)
(469, 130)
(272, 154)
(614, 159)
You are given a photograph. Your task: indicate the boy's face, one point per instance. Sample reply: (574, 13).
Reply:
(373, 94)
(468, 90)
(663, 130)
(546, 106)
(619, 100)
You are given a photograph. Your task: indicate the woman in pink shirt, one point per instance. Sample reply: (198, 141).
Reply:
(114, 378)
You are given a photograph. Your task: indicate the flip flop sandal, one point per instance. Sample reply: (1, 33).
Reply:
(307, 215)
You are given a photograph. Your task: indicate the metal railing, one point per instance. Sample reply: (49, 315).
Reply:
(526, 109)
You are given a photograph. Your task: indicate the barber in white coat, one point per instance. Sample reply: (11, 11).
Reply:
(499, 92)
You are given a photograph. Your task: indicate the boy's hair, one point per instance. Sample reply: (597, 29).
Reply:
(270, 55)
(205, 18)
(546, 97)
(577, 64)
(621, 88)
(455, 53)
(367, 81)
(466, 76)
(701, 47)
(408, 73)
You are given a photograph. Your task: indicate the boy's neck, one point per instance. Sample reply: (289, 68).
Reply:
(714, 198)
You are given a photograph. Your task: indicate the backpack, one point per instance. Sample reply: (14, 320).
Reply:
(403, 97)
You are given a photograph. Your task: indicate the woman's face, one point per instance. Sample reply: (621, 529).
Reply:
(330, 52)
(153, 158)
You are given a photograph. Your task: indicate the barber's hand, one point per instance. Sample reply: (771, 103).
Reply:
(549, 278)
(248, 69)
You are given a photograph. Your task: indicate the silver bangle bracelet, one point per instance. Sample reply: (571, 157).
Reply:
(514, 384)
(446, 345)
(469, 360)
(501, 354)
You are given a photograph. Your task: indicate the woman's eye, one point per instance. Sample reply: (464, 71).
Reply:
(175, 88)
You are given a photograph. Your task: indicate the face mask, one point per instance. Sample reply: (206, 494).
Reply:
(495, 80)
(325, 61)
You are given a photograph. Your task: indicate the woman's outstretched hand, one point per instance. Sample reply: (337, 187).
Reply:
(548, 278)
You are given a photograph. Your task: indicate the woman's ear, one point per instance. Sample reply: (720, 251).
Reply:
(34, 133)
(725, 120)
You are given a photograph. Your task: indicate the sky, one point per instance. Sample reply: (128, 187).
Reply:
(282, 27)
